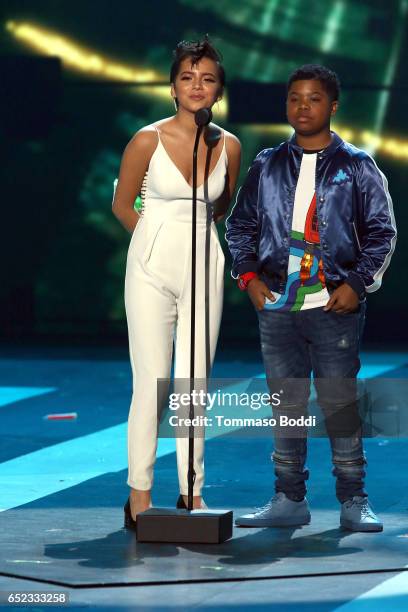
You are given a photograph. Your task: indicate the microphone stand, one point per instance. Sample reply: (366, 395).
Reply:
(191, 472)
(185, 525)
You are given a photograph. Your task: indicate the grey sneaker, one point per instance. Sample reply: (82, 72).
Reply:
(357, 515)
(278, 512)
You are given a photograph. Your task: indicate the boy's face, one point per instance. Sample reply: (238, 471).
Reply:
(309, 107)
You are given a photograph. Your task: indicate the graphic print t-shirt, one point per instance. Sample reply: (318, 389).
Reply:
(306, 287)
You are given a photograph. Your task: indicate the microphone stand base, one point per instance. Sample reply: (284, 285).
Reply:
(184, 526)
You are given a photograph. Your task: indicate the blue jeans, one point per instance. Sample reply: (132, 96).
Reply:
(295, 344)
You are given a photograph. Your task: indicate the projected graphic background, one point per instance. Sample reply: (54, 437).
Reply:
(63, 252)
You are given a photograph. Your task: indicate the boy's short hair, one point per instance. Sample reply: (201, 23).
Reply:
(329, 79)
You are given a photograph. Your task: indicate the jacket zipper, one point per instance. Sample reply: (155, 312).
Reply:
(356, 235)
(317, 187)
(286, 461)
(359, 461)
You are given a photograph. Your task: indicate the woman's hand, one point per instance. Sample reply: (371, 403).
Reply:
(258, 291)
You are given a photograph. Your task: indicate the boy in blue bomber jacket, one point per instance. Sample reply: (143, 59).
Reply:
(312, 232)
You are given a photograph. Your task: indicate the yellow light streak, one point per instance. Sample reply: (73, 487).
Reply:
(78, 58)
(392, 147)
(86, 61)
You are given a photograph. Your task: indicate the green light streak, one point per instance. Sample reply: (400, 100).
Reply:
(265, 26)
(332, 27)
(292, 9)
(384, 96)
(266, 22)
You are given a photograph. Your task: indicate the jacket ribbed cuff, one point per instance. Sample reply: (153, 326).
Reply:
(247, 266)
(355, 281)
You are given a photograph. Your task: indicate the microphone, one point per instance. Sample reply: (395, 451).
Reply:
(203, 117)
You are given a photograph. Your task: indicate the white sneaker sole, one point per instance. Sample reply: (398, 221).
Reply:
(363, 528)
(273, 523)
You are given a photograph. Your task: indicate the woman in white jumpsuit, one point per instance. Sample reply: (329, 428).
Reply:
(158, 164)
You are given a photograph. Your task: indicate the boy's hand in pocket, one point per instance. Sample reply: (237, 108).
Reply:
(258, 291)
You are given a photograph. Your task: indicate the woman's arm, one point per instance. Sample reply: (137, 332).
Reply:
(233, 148)
(135, 161)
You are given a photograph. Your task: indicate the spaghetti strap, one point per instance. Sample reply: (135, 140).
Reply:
(158, 133)
(223, 153)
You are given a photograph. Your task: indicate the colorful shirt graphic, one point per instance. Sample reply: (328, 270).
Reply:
(306, 287)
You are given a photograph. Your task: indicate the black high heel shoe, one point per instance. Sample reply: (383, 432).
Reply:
(129, 523)
(181, 504)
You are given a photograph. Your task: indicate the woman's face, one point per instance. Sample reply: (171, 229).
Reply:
(197, 86)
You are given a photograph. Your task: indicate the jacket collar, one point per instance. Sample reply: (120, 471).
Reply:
(335, 143)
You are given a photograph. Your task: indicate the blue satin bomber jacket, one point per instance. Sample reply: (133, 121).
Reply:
(354, 209)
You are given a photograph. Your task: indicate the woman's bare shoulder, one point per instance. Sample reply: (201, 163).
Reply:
(232, 142)
(233, 147)
(142, 145)
(147, 136)
(144, 140)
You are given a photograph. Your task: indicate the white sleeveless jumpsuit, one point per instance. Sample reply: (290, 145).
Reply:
(158, 304)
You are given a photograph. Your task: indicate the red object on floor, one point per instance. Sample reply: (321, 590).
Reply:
(67, 416)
